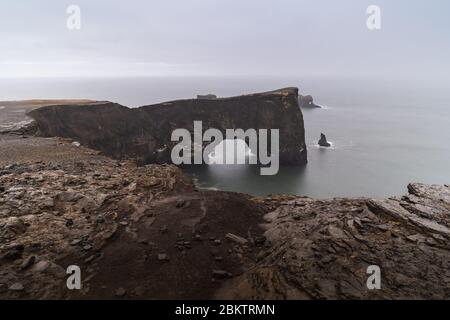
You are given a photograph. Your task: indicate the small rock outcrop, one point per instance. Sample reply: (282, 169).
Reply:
(307, 102)
(323, 141)
(206, 96)
(144, 133)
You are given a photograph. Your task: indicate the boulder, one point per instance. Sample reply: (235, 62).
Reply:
(16, 225)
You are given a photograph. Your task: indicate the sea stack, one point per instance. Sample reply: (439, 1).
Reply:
(323, 141)
(307, 102)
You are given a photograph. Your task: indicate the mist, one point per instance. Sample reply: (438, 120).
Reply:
(224, 38)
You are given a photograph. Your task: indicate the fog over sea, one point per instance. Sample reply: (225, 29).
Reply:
(385, 133)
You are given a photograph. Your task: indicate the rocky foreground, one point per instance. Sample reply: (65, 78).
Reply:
(147, 233)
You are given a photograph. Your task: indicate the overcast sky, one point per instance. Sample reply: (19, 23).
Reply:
(224, 37)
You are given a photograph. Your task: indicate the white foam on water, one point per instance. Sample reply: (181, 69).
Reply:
(332, 147)
(316, 145)
(202, 186)
(209, 188)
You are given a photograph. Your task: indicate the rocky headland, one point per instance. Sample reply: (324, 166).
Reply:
(144, 133)
(146, 232)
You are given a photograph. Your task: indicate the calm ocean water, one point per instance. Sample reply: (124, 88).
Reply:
(385, 133)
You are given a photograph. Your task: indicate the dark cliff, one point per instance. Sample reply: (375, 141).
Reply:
(145, 133)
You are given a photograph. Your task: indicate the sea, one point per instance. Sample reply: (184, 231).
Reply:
(385, 132)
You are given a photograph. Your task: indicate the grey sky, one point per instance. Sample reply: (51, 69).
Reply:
(224, 37)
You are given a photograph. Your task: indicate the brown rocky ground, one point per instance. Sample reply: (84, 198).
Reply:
(136, 232)
(320, 249)
(148, 233)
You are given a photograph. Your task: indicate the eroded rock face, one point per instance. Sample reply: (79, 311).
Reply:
(321, 249)
(145, 133)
